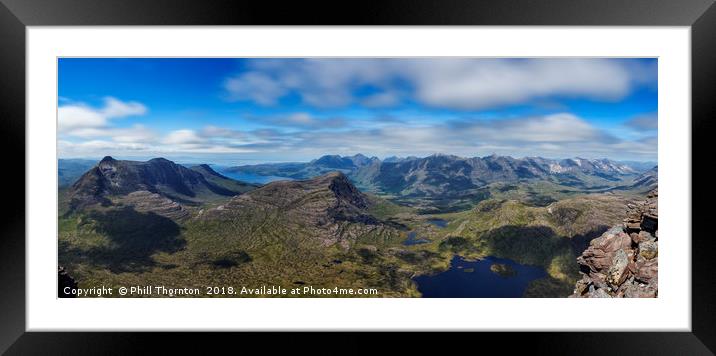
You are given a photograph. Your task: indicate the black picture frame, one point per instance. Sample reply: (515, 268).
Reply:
(16, 15)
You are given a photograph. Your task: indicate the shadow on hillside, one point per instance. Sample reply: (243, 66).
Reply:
(539, 246)
(580, 242)
(134, 237)
(534, 245)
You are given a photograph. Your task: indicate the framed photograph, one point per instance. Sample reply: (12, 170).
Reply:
(430, 167)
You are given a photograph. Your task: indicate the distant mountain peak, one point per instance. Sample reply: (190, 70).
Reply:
(329, 206)
(344, 189)
(336, 182)
(161, 160)
(344, 162)
(207, 170)
(118, 178)
(333, 175)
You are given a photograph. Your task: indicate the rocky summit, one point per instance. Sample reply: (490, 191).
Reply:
(624, 261)
(160, 180)
(329, 208)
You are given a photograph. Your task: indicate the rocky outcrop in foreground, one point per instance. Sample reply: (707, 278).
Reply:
(623, 262)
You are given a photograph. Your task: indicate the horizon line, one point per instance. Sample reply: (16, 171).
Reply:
(212, 161)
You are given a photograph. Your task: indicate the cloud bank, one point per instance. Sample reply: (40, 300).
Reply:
(453, 83)
(556, 135)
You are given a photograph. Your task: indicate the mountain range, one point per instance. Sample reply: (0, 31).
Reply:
(440, 176)
(338, 221)
(647, 180)
(437, 183)
(481, 170)
(68, 170)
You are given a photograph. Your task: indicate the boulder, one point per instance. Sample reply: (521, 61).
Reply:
(641, 236)
(618, 271)
(582, 286)
(646, 270)
(601, 250)
(633, 225)
(599, 280)
(649, 249)
(639, 290)
(598, 293)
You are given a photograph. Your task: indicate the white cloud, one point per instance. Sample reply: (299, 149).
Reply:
(210, 139)
(212, 131)
(72, 117)
(255, 86)
(306, 120)
(645, 122)
(466, 84)
(99, 148)
(183, 137)
(320, 82)
(79, 119)
(301, 120)
(136, 133)
(559, 135)
(139, 141)
(114, 108)
(554, 128)
(448, 83)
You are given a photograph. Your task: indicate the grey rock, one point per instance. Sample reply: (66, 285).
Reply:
(617, 272)
(649, 249)
(599, 293)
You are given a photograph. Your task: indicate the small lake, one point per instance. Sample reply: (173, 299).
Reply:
(413, 235)
(413, 239)
(438, 222)
(474, 279)
(248, 177)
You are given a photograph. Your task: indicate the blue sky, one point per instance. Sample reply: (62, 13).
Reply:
(232, 111)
